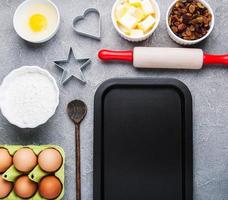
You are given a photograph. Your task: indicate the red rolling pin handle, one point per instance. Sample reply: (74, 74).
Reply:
(215, 59)
(108, 55)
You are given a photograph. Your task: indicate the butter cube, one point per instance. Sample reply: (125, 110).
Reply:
(147, 7)
(147, 23)
(124, 29)
(135, 2)
(128, 21)
(136, 33)
(121, 10)
(136, 12)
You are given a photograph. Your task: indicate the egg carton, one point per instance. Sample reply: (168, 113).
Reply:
(36, 174)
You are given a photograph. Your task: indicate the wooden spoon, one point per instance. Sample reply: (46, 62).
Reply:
(76, 111)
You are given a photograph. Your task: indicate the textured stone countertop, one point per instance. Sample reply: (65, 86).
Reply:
(209, 88)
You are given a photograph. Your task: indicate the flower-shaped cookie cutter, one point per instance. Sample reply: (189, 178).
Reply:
(82, 17)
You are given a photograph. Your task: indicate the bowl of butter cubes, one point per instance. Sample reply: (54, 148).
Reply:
(135, 20)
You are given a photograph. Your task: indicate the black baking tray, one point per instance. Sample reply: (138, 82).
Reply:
(143, 140)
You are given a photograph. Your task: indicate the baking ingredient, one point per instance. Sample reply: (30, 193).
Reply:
(24, 160)
(24, 187)
(5, 187)
(135, 14)
(147, 23)
(190, 19)
(147, 7)
(121, 10)
(136, 33)
(5, 160)
(123, 29)
(50, 160)
(135, 2)
(28, 97)
(36, 21)
(26, 183)
(128, 21)
(50, 187)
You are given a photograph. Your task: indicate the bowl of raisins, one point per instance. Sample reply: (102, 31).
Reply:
(189, 21)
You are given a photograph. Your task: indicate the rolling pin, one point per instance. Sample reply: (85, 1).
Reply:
(167, 58)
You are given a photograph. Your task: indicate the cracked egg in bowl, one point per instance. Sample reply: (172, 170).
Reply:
(36, 21)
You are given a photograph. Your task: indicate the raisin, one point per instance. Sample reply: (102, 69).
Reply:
(192, 8)
(181, 27)
(174, 29)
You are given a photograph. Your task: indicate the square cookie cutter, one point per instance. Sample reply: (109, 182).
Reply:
(82, 17)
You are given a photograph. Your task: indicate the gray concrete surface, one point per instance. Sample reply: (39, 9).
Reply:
(209, 90)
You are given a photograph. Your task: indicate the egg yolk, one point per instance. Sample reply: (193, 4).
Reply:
(38, 22)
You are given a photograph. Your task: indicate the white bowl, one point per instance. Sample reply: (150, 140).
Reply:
(19, 20)
(144, 37)
(189, 42)
(24, 109)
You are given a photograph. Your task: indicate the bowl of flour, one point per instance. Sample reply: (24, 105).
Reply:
(29, 96)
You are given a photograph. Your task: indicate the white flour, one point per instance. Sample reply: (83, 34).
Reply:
(29, 98)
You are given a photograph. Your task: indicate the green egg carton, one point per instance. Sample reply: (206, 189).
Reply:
(36, 174)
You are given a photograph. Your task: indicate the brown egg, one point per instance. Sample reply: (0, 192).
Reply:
(50, 187)
(25, 160)
(5, 187)
(50, 160)
(24, 187)
(6, 160)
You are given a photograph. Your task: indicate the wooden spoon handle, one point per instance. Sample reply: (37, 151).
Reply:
(78, 162)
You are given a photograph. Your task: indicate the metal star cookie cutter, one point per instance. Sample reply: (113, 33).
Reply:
(82, 17)
(67, 75)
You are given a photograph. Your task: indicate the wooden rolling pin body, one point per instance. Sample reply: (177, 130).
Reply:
(172, 58)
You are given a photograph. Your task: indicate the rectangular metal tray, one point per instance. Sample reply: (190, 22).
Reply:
(143, 140)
